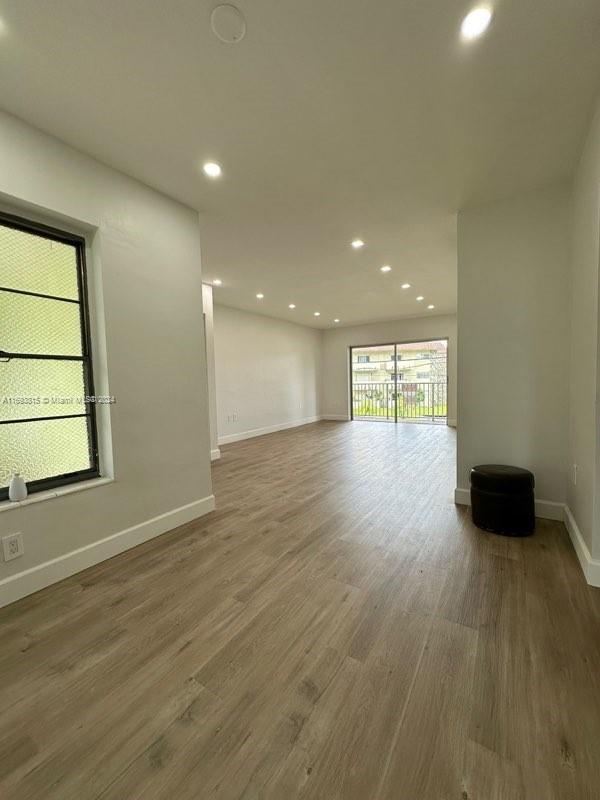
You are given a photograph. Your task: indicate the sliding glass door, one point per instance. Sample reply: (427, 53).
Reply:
(374, 382)
(401, 382)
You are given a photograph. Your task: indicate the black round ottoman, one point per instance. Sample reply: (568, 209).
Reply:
(502, 499)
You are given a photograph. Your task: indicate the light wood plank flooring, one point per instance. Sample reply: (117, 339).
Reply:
(336, 630)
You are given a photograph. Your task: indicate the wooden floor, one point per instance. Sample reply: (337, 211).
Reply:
(336, 630)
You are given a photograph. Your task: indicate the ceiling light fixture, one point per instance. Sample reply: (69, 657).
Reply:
(228, 23)
(292, 305)
(475, 23)
(420, 298)
(217, 282)
(317, 314)
(357, 244)
(212, 169)
(259, 296)
(386, 268)
(336, 320)
(406, 285)
(430, 306)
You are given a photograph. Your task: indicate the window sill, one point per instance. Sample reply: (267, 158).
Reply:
(39, 497)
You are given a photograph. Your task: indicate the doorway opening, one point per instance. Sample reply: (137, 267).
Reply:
(400, 382)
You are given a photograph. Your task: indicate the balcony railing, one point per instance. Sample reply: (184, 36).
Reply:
(405, 401)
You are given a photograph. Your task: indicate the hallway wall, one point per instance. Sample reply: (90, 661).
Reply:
(513, 338)
(584, 422)
(209, 338)
(268, 373)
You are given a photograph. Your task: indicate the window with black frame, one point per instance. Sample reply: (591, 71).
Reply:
(47, 422)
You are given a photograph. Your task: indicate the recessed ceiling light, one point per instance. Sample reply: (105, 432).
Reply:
(292, 305)
(386, 268)
(317, 314)
(406, 285)
(420, 298)
(430, 306)
(475, 23)
(336, 320)
(259, 296)
(212, 169)
(357, 244)
(217, 282)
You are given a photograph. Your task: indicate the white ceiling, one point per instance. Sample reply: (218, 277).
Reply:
(332, 119)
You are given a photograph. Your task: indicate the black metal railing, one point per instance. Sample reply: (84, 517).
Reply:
(406, 401)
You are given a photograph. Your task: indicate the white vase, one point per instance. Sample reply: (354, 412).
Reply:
(17, 489)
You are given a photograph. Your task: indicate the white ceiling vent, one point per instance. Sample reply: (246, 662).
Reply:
(228, 23)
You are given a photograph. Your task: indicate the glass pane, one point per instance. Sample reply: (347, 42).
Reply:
(375, 363)
(44, 449)
(409, 384)
(373, 382)
(422, 376)
(32, 263)
(30, 388)
(423, 361)
(37, 325)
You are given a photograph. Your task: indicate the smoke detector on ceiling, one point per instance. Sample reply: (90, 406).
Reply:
(228, 23)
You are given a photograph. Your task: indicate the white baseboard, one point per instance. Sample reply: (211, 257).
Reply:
(36, 578)
(549, 509)
(336, 417)
(215, 454)
(589, 565)
(238, 437)
(545, 509)
(462, 497)
(451, 423)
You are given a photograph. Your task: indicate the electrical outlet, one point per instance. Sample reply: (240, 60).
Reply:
(575, 468)
(12, 546)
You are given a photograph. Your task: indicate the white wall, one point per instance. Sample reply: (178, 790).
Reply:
(209, 334)
(147, 249)
(513, 337)
(267, 373)
(337, 341)
(584, 449)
